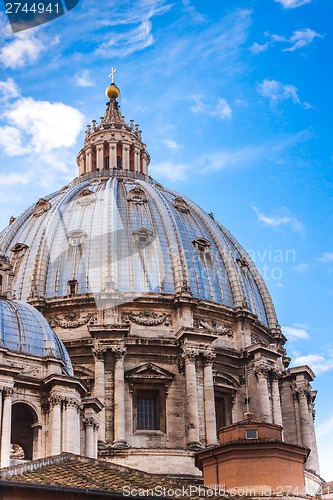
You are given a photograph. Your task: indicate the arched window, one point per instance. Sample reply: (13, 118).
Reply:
(23, 436)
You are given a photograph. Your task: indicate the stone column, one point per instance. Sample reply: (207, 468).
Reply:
(303, 395)
(276, 401)
(144, 163)
(190, 355)
(126, 156)
(209, 398)
(6, 426)
(136, 159)
(72, 443)
(99, 391)
(81, 169)
(112, 155)
(313, 458)
(119, 399)
(261, 372)
(100, 157)
(56, 403)
(91, 427)
(89, 160)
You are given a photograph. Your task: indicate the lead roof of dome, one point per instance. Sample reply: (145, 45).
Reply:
(23, 329)
(91, 233)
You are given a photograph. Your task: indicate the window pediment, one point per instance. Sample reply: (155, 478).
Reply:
(181, 204)
(137, 196)
(41, 207)
(149, 372)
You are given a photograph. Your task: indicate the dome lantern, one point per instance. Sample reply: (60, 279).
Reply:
(113, 146)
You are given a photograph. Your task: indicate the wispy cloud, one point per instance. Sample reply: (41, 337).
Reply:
(124, 44)
(22, 49)
(319, 363)
(221, 109)
(292, 4)
(282, 219)
(299, 39)
(301, 268)
(8, 90)
(172, 145)
(83, 79)
(326, 258)
(276, 92)
(295, 332)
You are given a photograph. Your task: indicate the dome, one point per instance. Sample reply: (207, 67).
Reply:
(23, 329)
(130, 236)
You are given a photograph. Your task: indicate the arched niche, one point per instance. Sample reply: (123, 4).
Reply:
(24, 433)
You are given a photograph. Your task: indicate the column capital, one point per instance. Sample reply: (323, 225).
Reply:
(208, 356)
(261, 370)
(119, 352)
(91, 422)
(72, 403)
(98, 351)
(275, 374)
(8, 392)
(55, 400)
(190, 354)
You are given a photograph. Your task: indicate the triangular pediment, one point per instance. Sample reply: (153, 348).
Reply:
(149, 371)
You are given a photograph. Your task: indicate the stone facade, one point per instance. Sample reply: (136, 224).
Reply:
(168, 324)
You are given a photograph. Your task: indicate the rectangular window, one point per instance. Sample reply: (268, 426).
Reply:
(251, 434)
(148, 415)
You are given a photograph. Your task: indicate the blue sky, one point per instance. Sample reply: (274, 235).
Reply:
(234, 101)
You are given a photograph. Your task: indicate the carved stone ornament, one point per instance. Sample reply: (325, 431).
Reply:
(91, 422)
(262, 370)
(73, 320)
(190, 354)
(213, 326)
(147, 318)
(41, 207)
(257, 339)
(119, 351)
(208, 356)
(8, 392)
(55, 400)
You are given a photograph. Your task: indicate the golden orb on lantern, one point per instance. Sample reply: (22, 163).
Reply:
(112, 91)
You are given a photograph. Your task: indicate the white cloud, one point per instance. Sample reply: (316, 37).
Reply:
(277, 92)
(9, 90)
(292, 4)
(23, 50)
(11, 142)
(256, 48)
(317, 362)
(221, 109)
(301, 38)
(170, 171)
(83, 79)
(124, 44)
(294, 332)
(301, 268)
(283, 219)
(46, 125)
(326, 258)
(172, 145)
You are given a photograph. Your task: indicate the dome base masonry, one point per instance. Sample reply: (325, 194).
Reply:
(166, 321)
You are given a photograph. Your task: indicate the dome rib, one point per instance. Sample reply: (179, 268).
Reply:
(105, 256)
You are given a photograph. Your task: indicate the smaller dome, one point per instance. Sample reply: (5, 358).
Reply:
(23, 329)
(112, 91)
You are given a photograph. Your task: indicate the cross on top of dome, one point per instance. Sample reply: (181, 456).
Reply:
(112, 92)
